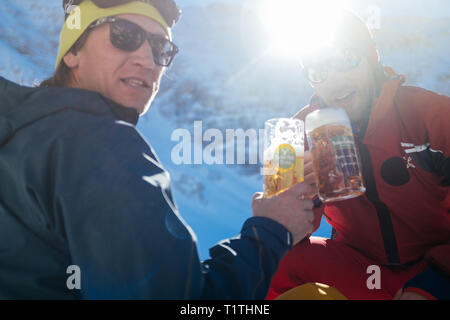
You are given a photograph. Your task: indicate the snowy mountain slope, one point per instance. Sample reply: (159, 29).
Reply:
(261, 88)
(29, 34)
(224, 78)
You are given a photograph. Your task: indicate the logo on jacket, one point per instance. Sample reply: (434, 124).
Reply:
(422, 155)
(411, 148)
(409, 163)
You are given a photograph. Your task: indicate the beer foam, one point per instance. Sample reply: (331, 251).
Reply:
(326, 116)
(283, 131)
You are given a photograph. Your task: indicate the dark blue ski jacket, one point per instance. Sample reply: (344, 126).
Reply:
(79, 186)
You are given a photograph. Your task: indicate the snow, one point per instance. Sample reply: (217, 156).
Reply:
(224, 77)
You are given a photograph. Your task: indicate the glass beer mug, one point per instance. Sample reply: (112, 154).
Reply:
(283, 154)
(334, 155)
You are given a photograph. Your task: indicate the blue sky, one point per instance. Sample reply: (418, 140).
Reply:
(215, 200)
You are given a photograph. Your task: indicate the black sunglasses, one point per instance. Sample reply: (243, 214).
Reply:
(167, 8)
(128, 36)
(343, 59)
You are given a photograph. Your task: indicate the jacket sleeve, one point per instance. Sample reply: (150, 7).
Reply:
(434, 114)
(432, 283)
(436, 117)
(113, 202)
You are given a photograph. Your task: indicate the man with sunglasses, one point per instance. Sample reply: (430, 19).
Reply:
(393, 242)
(85, 206)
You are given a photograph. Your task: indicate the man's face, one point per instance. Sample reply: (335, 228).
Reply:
(353, 89)
(116, 74)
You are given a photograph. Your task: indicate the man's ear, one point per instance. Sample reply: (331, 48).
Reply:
(71, 60)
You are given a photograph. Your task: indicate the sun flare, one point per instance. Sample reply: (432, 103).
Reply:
(297, 26)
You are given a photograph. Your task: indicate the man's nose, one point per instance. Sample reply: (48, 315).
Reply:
(144, 56)
(334, 80)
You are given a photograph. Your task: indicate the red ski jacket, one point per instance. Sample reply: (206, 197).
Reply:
(405, 153)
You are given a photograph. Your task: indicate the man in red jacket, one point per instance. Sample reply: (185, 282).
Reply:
(394, 241)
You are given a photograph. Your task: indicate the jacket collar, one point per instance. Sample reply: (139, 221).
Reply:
(21, 106)
(120, 112)
(383, 104)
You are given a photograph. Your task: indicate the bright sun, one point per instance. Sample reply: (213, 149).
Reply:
(296, 26)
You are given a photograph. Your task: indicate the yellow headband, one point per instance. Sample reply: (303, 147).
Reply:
(87, 12)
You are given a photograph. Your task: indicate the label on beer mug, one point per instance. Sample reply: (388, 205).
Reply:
(283, 154)
(284, 169)
(286, 157)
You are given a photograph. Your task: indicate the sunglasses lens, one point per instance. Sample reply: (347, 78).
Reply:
(109, 3)
(126, 36)
(347, 60)
(341, 60)
(163, 50)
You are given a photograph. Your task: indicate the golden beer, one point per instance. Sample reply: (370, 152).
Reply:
(280, 179)
(334, 156)
(283, 154)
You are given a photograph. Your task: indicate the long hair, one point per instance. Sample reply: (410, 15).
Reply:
(63, 74)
